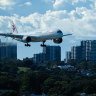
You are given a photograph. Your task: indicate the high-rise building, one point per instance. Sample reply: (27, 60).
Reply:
(68, 56)
(39, 57)
(86, 51)
(89, 50)
(76, 53)
(50, 53)
(8, 50)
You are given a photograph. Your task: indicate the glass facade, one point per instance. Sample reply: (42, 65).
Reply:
(50, 53)
(86, 51)
(8, 50)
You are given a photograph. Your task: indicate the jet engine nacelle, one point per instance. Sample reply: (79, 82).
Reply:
(27, 39)
(59, 40)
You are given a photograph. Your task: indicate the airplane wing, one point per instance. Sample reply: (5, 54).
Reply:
(67, 34)
(11, 35)
(17, 36)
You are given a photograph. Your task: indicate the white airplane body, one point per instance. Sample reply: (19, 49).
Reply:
(56, 36)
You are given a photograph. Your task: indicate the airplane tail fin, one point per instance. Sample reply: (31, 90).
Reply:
(14, 29)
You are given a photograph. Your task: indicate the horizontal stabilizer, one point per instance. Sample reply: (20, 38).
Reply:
(67, 34)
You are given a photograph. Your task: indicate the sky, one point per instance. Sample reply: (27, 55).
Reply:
(30, 16)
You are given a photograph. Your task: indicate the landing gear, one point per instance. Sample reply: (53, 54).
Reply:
(27, 45)
(43, 45)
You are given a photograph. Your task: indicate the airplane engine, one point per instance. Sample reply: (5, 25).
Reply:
(59, 40)
(27, 39)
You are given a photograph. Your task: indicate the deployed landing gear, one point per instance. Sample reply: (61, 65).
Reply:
(43, 45)
(27, 45)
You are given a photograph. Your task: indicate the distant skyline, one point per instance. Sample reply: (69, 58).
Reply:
(71, 16)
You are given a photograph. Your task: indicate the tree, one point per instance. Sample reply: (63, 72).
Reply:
(32, 81)
(27, 62)
(10, 93)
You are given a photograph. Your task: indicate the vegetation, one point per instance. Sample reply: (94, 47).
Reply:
(19, 76)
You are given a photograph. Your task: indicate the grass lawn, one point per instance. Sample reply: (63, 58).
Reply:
(23, 69)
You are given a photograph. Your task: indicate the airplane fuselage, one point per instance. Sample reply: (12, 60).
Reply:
(41, 37)
(56, 36)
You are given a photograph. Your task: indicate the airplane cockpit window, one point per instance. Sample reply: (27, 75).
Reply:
(59, 31)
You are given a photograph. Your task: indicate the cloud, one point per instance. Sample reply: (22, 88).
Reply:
(58, 3)
(52, 1)
(77, 1)
(28, 3)
(81, 22)
(6, 4)
(70, 4)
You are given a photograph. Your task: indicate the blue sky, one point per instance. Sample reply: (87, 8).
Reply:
(71, 16)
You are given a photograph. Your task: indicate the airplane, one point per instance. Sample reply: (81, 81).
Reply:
(55, 35)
